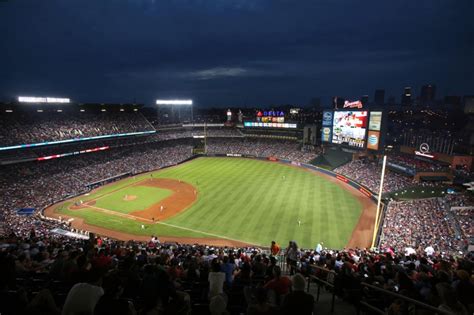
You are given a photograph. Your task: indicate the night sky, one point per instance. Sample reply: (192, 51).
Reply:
(233, 52)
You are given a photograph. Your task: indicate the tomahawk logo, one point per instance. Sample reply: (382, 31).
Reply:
(424, 148)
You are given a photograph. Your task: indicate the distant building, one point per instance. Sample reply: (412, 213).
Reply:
(452, 101)
(428, 93)
(391, 100)
(379, 97)
(468, 104)
(338, 102)
(315, 102)
(364, 100)
(406, 96)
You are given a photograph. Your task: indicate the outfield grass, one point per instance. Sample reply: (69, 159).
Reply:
(247, 200)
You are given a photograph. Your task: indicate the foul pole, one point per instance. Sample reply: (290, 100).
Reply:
(205, 138)
(379, 201)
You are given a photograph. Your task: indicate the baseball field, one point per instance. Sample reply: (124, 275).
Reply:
(226, 201)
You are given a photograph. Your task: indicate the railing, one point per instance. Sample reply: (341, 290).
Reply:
(411, 301)
(320, 282)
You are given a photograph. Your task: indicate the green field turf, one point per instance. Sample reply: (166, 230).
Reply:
(243, 199)
(146, 196)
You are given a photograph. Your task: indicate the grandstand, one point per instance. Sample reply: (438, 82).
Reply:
(47, 257)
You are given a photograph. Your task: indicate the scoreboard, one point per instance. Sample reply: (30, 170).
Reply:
(353, 128)
(349, 127)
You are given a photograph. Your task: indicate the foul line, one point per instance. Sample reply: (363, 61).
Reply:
(206, 233)
(124, 215)
(129, 216)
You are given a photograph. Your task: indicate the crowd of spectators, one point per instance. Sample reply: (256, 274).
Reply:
(421, 223)
(441, 280)
(261, 147)
(417, 164)
(368, 174)
(103, 276)
(31, 127)
(462, 208)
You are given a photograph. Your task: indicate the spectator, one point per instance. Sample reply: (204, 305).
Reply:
(83, 297)
(449, 302)
(111, 302)
(275, 248)
(261, 305)
(292, 254)
(298, 300)
(216, 279)
(281, 285)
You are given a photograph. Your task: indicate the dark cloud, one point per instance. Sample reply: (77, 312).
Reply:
(233, 51)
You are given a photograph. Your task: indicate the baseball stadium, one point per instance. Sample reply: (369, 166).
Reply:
(239, 182)
(236, 157)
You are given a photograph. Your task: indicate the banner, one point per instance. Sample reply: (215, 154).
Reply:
(373, 140)
(326, 134)
(375, 121)
(327, 118)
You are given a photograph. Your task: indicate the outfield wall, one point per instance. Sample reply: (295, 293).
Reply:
(364, 190)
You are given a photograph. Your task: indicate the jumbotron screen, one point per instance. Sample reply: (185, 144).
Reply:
(349, 127)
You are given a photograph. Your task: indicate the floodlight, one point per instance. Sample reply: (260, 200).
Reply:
(35, 99)
(174, 102)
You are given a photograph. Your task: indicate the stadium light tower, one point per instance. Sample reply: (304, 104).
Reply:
(176, 102)
(36, 99)
(379, 201)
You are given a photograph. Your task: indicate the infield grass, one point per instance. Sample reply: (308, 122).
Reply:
(242, 199)
(144, 198)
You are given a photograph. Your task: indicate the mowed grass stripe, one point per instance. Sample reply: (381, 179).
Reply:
(278, 209)
(248, 215)
(217, 191)
(259, 230)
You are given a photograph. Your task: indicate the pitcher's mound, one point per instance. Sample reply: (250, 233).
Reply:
(129, 197)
